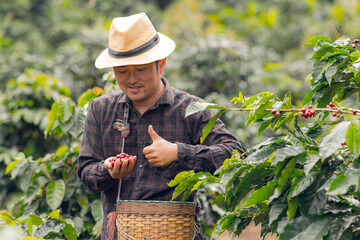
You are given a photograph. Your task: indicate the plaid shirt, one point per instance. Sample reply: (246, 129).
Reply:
(167, 116)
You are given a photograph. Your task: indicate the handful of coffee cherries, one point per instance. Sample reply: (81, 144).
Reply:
(122, 157)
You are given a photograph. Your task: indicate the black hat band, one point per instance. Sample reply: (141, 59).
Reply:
(136, 51)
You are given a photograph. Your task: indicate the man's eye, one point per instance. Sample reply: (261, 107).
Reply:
(140, 69)
(122, 72)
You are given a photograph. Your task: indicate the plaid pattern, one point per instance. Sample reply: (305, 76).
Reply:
(167, 117)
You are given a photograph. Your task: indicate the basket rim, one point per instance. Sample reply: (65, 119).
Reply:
(154, 201)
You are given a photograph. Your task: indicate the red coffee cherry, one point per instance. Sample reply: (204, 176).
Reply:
(122, 158)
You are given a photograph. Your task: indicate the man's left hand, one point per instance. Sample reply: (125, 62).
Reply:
(161, 152)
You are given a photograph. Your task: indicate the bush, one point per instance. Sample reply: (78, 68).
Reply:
(303, 184)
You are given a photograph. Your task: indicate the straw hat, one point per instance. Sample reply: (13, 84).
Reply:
(133, 40)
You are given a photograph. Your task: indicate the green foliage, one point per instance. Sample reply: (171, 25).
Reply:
(304, 184)
(335, 72)
(60, 37)
(26, 102)
(222, 47)
(50, 182)
(35, 227)
(185, 179)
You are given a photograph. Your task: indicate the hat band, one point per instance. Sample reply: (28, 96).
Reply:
(136, 51)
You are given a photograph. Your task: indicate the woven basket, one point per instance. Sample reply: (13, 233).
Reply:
(155, 220)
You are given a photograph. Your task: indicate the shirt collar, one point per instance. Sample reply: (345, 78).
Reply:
(168, 96)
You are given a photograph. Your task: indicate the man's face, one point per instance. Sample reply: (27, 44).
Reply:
(141, 83)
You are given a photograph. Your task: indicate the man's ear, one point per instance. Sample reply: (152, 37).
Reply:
(162, 64)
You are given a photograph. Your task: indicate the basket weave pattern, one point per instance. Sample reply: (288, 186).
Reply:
(155, 220)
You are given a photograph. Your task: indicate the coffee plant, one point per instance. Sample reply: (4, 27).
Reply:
(49, 201)
(303, 183)
(298, 185)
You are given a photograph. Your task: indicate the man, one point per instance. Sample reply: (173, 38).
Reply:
(161, 141)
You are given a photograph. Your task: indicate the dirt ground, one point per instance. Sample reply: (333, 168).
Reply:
(252, 232)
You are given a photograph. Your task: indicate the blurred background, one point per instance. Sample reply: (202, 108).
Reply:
(48, 49)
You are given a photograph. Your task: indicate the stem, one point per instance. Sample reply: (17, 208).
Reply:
(332, 109)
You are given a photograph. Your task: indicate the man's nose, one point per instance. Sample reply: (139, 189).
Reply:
(132, 77)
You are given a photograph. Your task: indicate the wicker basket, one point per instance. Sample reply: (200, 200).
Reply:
(155, 220)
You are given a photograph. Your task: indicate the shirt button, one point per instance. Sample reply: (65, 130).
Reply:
(141, 165)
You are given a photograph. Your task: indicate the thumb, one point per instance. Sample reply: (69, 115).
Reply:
(154, 136)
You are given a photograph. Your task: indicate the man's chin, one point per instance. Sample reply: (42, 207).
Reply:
(135, 97)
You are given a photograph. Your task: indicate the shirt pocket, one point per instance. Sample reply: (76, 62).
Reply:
(169, 172)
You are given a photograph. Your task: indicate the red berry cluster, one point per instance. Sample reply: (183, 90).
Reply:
(307, 112)
(337, 114)
(343, 143)
(276, 113)
(331, 105)
(355, 43)
(122, 157)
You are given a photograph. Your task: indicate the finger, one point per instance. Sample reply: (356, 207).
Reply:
(154, 136)
(151, 156)
(154, 162)
(124, 164)
(126, 168)
(128, 162)
(117, 166)
(148, 153)
(153, 159)
(147, 150)
(132, 163)
(107, 164)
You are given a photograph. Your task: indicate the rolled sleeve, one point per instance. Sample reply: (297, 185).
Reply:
(211, 154)
(91, 171)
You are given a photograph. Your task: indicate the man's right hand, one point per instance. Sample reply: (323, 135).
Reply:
(120, 170)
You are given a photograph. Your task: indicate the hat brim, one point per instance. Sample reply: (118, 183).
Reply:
(161, 50)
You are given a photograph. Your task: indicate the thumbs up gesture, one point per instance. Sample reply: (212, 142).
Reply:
(161, 152)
